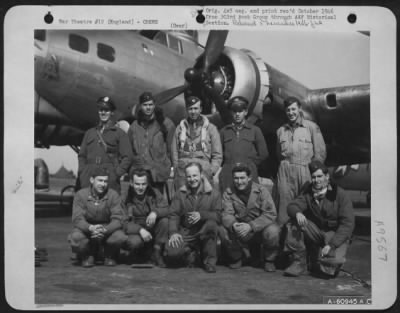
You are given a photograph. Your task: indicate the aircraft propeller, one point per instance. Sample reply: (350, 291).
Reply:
(169, 94)
(214, 47)
(197, 78)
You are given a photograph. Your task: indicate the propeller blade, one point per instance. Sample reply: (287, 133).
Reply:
(214, 46)
(219, 103)
(169, 94)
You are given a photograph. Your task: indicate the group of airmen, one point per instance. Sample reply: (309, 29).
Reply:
(219, 211)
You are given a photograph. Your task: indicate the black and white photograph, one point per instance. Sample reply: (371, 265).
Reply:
(204, 167)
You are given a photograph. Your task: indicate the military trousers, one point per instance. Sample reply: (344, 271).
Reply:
(84, 246)
(265, 241)
(290, 179)
(202, 239)
(159, 233)
(309, 241)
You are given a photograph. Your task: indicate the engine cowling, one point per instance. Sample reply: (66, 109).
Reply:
(41, 175)
(45, 112)
(47, 135)
(241, 73)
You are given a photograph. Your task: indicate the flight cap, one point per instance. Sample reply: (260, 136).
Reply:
(316, 165)
(189, 101)
(238, 104)
(98, 171)
(105, 103)
(146, 96)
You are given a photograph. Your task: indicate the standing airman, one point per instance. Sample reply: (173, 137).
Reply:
(106, 145)
(241, 142)
(299, 141)
(196, 140)
(151, 136)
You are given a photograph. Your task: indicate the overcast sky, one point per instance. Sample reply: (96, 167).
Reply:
(315, 59)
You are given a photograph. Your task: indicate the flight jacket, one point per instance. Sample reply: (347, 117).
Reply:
(259, 211)
(139, 210)
(87, 210)
(335, 212)
(207, 203)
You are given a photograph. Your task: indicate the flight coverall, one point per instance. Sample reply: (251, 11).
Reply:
(246, 145)
(151, 151)
(296, 146)
(86, 211)
(260, 213)
(137, 212)
(201, 236)
(188, 146)
(330, 221)
(117, 157)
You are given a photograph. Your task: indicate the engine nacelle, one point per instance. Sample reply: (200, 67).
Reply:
(47, 135)
(45, 112)
(242, 73)
(41, 175)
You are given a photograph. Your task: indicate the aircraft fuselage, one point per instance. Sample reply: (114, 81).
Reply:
(73, 68)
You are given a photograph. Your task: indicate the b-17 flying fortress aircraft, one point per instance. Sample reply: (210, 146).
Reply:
(73, 68)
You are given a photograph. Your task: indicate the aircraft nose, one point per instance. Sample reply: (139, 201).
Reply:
(39, 51)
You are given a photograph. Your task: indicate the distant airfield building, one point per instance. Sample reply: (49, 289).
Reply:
(42, 175)
(63, 173)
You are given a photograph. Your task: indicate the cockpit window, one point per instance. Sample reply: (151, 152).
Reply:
(78, 43)
(149, 33)
(175, 44)
(105, 52)
(40, 34)
(161, 38)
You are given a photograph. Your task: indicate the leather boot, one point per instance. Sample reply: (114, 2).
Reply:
(110, 255)
(269, 266)
(236, 265)
(157, 256)
(109, 262)
(191, 257)
(87, 261)
(298, 266)
(295, 269)
(87, 256)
